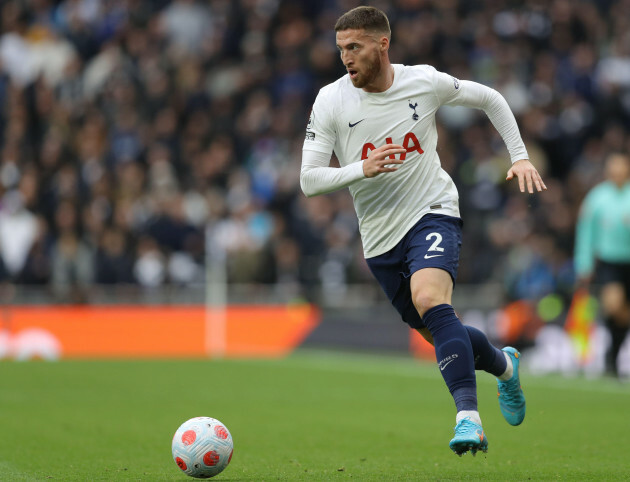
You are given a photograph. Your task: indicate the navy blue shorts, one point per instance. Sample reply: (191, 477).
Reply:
(434, 242)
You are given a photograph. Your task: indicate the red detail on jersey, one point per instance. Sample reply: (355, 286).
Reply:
(410, 138)
(211, 458)
(220, 432)
(410, 143)
(189, 437)
(230, 458)
(366, 150)
(180, 463)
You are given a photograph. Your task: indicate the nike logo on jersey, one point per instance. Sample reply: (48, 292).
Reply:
(352, 125)
(427, 256)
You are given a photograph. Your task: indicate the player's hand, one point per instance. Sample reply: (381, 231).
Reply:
(526, 174)
(378, 160)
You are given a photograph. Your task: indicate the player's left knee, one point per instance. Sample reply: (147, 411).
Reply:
(430, 287)
(427, 299)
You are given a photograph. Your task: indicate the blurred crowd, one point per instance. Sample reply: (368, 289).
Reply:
(136, 134)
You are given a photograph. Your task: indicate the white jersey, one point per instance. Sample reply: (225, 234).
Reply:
(352, 122)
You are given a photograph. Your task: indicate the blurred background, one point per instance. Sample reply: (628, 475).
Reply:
(150, 154)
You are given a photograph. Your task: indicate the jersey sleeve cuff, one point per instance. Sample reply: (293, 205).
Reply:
(519, 155)
(357, 170)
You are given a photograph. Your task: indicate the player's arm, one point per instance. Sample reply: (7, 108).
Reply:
(317, 177)
(466, 93)
(498, 111)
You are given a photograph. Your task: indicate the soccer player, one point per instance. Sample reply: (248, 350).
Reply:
(379, 119)
(602, 250)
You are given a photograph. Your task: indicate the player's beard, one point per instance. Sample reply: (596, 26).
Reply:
(372, 70)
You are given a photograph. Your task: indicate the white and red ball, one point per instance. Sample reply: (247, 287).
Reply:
(202, 447)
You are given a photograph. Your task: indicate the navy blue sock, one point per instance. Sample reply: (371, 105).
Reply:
(487, 357)
(454, 354)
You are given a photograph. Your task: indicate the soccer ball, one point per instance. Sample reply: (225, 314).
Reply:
(202, 447)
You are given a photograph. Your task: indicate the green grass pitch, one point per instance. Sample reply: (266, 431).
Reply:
(311, 416)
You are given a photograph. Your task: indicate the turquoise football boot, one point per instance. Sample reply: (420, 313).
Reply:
(511, 398)
(468, 436)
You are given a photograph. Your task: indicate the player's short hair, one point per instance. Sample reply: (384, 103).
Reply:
(364, 18)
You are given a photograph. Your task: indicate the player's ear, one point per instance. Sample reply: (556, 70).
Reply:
(384, 44)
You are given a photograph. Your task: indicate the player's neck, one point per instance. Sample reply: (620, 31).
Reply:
(384, 81)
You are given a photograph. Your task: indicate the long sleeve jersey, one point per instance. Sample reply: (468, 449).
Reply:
(352, 122)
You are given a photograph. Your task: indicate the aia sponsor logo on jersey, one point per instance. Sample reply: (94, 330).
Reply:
(410, 143)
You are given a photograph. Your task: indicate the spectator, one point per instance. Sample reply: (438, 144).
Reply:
(201, 105)
(18, 233)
